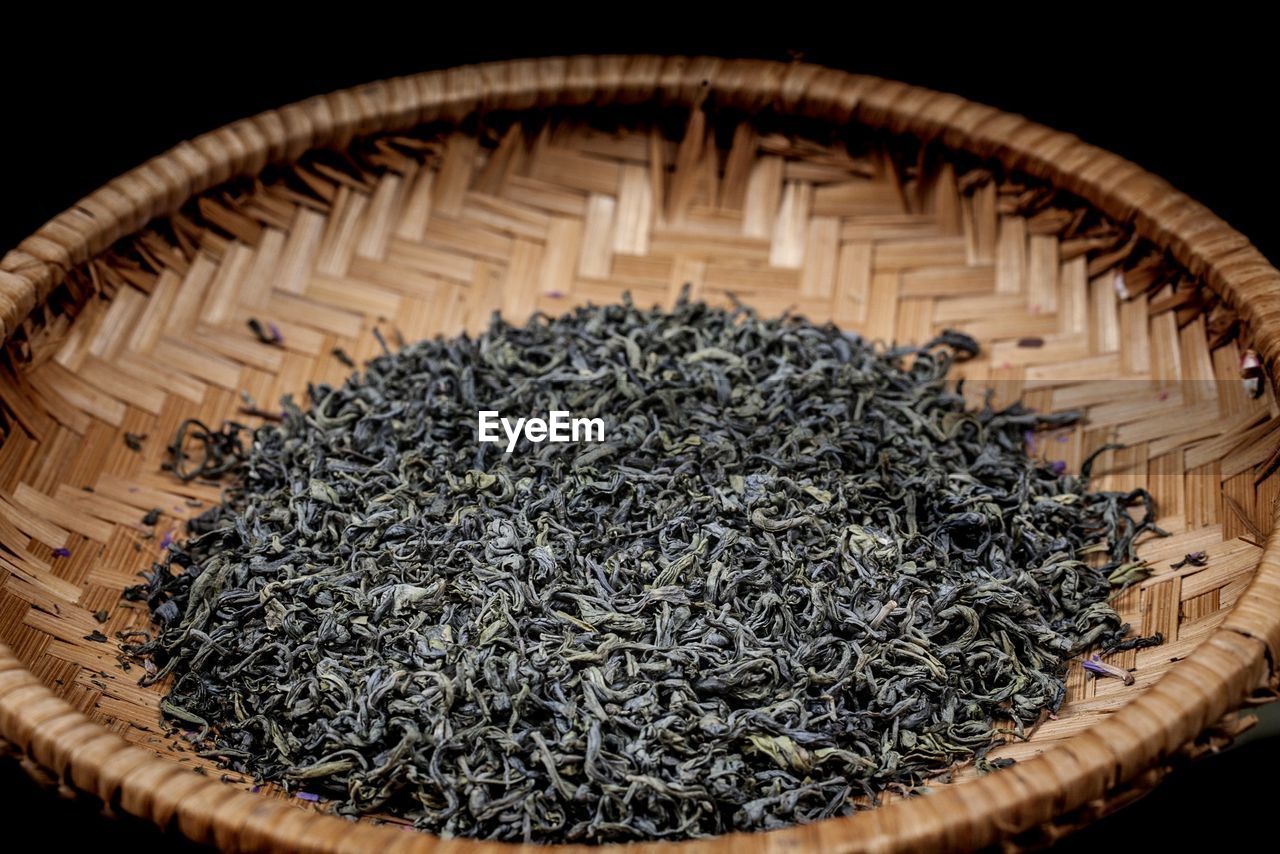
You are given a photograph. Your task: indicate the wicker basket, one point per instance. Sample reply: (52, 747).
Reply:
(422, 204)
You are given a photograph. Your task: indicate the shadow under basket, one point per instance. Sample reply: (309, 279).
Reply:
(419, 206)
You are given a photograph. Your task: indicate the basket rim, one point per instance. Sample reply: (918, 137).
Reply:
(1212, 681)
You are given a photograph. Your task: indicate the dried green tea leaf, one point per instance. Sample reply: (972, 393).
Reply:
(796, 571)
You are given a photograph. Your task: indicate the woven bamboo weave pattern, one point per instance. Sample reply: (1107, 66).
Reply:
(408, 234)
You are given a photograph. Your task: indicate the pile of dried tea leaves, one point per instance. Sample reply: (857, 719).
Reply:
(797, 571)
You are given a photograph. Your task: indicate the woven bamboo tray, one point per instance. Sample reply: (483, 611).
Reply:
(419, 205)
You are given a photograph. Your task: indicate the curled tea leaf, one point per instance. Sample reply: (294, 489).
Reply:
(798, 570)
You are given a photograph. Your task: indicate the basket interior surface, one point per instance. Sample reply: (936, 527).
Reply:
(430, 231)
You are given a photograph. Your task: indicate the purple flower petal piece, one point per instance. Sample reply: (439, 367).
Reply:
(166, 540)
(61, 552)
(555, 294)
(1098, 667)
(1059, 467)
(307, 796)
(275, 332)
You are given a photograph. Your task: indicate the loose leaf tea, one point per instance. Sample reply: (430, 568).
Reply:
(796, 571)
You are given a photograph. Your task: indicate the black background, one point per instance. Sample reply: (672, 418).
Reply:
(1195, 106)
